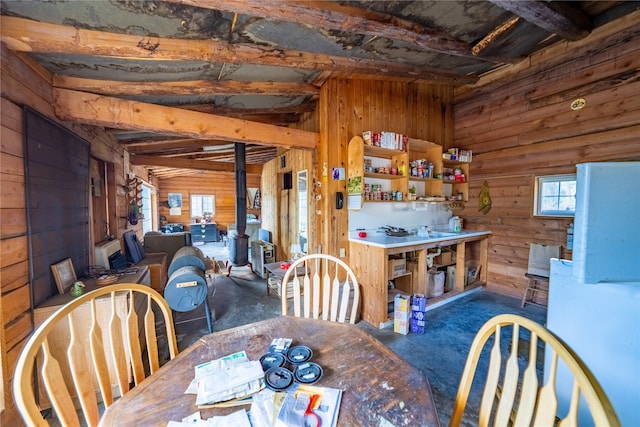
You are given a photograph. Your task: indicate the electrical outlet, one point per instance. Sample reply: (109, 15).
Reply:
(343, 253)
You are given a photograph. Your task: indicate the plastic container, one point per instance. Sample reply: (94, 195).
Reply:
(455, 225)
(570, 237)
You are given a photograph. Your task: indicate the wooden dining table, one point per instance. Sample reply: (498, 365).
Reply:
(379, 387)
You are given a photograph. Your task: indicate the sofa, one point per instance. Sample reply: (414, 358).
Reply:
(156, 262)
(156, 253)
(169, 243)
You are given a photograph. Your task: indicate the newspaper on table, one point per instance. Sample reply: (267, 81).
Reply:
(236, 419)
(230, 377)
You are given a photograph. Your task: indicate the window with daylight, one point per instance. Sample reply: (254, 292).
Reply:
(555, 195)
(202, 206)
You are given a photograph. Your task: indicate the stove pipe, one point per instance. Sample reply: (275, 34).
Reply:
(238, 240)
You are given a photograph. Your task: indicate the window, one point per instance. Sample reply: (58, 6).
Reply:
(202, 206)
(555, 195)
(147, 212)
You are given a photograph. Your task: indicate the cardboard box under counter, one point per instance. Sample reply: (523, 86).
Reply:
(397, 267)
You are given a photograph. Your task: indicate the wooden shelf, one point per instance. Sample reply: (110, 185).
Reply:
(417, 149)
(385, 153)
(383, 175)
(416, 178)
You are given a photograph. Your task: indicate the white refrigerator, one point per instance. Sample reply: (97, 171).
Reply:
(594, 300)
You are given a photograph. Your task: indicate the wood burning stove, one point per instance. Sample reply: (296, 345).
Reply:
(238, 240)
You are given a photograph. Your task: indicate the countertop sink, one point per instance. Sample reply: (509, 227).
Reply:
(437, 234)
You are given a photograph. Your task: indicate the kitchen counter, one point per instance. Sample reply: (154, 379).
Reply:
(369, 260)
(379, 239)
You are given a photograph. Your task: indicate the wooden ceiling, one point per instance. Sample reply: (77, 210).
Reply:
(177, 82)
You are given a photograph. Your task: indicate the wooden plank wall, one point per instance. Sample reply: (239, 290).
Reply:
(221, 185)
(23, 85)
(349, 107)
(280, 206)
(521, 126)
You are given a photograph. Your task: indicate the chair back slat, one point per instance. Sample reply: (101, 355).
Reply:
(99, 358)
(335, 297)
(491, 385)
(133, 343)
(509, 383)
(296, 295)
(81, 364)
(151, 338)
(339, 302)
(306, 284)
(344, 303)
(117, 347)
(571, 420)
(535, 406)
(315, 286)
(529, 391)
(326, 285)
(548, 400)
(326, 290)
(53, 381)
(83, 382)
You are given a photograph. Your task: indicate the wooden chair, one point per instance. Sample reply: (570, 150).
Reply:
(127, 346)
(536, 405)
(326, 274)
(538, 269)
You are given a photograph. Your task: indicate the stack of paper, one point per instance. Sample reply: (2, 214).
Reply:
(233, 376)
(236, 419)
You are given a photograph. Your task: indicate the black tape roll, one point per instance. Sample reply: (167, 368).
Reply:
(272, 360)
(308, 373)
(278, 379)
(299, 354)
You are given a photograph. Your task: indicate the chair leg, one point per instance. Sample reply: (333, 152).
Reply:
(524, 297)
(207, 312)
(530, 292)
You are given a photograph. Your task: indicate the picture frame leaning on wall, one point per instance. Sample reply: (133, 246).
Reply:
(64, 275)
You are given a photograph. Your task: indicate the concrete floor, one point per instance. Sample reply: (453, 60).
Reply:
(439, 353)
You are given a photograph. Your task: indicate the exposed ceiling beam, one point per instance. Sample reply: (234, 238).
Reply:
(304, 107)
(114, 112)
(172, 162)
(193, 87)
(338, 17)
(195, 148)
(255, 151)
(25, 35)
(275, 116)
(494, 36)
(557, 17)
(166, 173)
(153, 144)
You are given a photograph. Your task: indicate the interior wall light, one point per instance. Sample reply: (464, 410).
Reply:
(578, 104)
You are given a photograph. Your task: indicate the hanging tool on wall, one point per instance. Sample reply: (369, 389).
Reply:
(134, 212)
